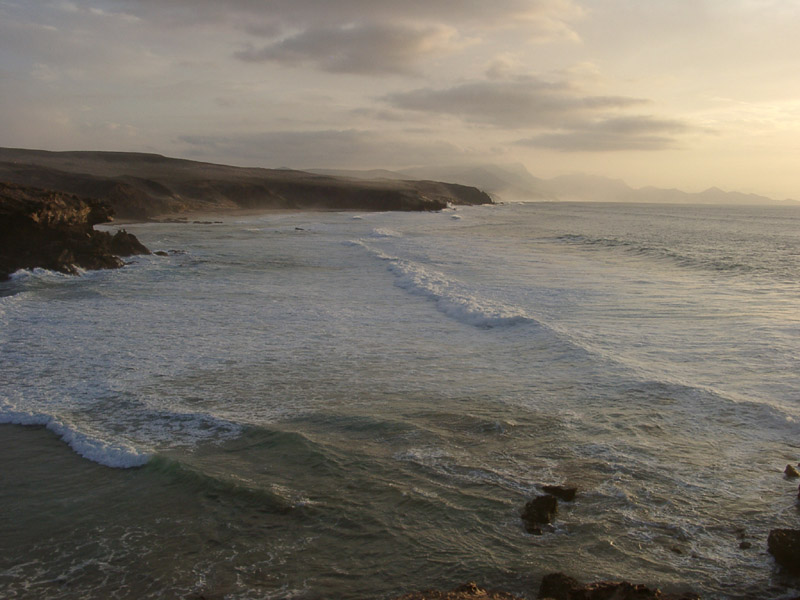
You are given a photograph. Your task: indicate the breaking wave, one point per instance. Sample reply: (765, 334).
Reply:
(452, 297)
(117, 455)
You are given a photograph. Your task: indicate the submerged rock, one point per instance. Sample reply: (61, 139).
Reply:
(791, 471)
(468, 591)
(55, 231)
(567, 494)
(562, 587)
(539, 511)
(784, 545)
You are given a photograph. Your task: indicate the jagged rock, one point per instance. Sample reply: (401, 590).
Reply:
(561, 587)
(539, 511)
(52, 230)
(126, 244)
(468, 591)
(784, 545)
(567, 494)
(791, 471)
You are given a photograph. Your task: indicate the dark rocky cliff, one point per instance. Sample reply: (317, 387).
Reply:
(140, 186)
(53, 230)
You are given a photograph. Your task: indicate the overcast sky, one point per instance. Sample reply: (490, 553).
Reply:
(673, 93)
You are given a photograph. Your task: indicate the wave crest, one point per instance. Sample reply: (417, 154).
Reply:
(117, 455)
(452, 297)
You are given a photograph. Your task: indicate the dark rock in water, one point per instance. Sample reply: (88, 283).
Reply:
(784, 545)
(468, 591)
(791, 471)
(126, 244)
(539, 511)
(161, 253)
(51, 230)
(561, 587)
(745, 545)
(567, 494)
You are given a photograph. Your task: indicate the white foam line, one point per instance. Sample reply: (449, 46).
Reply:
(119, 456)
(451, 297)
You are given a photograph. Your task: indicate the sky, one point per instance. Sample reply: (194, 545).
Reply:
(671, 93)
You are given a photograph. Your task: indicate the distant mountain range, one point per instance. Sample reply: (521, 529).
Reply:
(513, 183)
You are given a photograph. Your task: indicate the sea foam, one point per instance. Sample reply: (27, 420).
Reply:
(452, 297)
(117, 455)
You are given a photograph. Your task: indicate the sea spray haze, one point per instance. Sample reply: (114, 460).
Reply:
(356, 405)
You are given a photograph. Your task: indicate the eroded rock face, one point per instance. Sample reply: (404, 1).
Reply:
(561, 587)
(784, 545)
(51, 230)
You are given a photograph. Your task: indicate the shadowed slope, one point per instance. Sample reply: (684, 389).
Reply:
(145, 185)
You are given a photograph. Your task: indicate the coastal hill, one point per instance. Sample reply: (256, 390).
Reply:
(513, 183)
(141, 186)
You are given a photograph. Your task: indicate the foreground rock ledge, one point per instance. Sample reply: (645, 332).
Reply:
(55, 231)
(562, 587)
(557, 586)
(468, 591)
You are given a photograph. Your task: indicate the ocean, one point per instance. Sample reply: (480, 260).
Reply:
(350, 405)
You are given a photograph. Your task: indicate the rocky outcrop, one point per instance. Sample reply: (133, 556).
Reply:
(539, 511)
(141, 186)
(784, 545)
(468, 591)
(52, 230)
(558, 586)
(565, 493)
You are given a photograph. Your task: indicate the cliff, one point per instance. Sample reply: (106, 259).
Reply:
(141, 186)
(53, 230)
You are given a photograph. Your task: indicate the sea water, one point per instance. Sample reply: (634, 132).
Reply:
(357, 405)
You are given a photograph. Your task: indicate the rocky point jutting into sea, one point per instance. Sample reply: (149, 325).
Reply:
(55, 231)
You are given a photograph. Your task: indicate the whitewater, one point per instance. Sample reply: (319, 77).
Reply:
(357, 405)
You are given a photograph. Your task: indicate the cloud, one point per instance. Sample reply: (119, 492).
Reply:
(561, 114)
(543, 16)
(349, 148)
(521, 103)
(615, 134)
(362, 49)
(368, 37)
